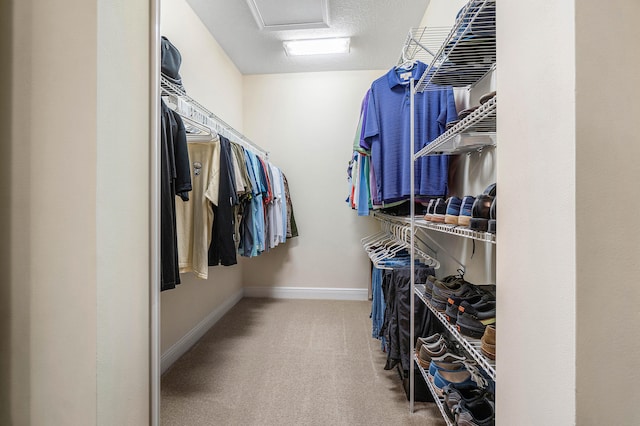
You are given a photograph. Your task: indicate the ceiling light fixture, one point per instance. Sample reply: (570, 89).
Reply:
(319, 46)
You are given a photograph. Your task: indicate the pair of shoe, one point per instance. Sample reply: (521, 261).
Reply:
(429, 341)
(467, 377)
(450, 361)
(453, 210)
(430, 347)
(428, 286)
(472, 212)
(482, 209)
(488, 340)
(473, 296)
(453, 397)
(469, 407)
(431, 281)
(473, 318)
(437, 291)
(436, 210)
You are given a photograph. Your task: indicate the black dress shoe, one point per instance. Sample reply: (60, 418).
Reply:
(492, 216)
(480, 213)
(491, 190)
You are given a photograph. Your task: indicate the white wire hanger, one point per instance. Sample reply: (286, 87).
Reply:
(388, 243)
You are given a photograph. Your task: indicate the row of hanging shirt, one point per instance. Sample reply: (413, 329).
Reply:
(239, 203)
(379, 168)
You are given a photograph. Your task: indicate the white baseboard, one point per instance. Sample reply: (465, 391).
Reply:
(307, 293)
(188, 340)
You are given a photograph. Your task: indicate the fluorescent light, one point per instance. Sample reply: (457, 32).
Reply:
(319, 46)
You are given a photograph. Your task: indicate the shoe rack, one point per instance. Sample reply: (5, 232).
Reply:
(421, 224)
(466, 56)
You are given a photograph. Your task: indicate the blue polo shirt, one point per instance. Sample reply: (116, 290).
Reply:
(387, 134)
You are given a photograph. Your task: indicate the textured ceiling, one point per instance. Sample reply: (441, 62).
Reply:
(377, 29)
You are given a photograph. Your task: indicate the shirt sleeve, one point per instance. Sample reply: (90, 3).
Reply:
(213, 186)
(181, 153)
(239, 179)
(370, 126)
(448, 112)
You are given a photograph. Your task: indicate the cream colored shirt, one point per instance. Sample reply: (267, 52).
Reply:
(194, 218)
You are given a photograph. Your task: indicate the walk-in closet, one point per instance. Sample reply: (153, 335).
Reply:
(206, 224)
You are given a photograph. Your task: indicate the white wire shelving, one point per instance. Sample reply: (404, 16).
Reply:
(461, 58)
(468, 54)
(422, 44)
(439, 400)
(459, 231)
(469, 344)
(192, 109)
(473, 133)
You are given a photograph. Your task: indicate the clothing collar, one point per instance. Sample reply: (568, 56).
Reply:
(395, 80)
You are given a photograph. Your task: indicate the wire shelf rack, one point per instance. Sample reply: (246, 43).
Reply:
(423, 43)
(473, 133)
(468, 54)
(459, 231)
(195, 111)
(439, 400)
(470, 345)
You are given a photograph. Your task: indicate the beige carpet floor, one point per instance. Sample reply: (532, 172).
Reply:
(289, 362)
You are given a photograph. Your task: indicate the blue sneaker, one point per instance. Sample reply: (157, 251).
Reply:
(466, 210)
(460, 378)
(468, 378)
(453, 211)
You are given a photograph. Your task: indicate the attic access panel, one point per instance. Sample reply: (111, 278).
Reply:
(290, 14)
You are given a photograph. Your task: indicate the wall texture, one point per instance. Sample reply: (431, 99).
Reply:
(536, 253)
(9, 396)
(607, 173)
(122, 212)
(62, 252)
(308, 122)
(210, 78)
(52, 206)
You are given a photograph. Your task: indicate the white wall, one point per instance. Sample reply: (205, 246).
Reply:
(607, 244)
(441, 13)
(52, 215)
(58, 247)
(122, 212)
(9, 387)
(308, 121)
(210, 78)
(536, 253)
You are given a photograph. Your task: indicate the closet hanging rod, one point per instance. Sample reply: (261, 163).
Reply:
(202, 115)
(191, 123)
